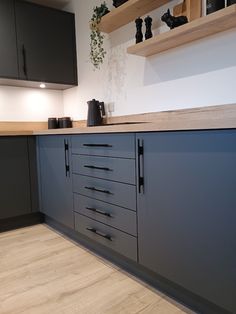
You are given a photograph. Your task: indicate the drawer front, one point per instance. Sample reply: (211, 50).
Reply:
(114, 216)
(114, 239)
(116, 169)
(111, 145)
(120, 194)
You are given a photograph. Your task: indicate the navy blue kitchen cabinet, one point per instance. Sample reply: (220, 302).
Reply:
(56, 198)
(187, 210)
(46, 44)
(8, 50)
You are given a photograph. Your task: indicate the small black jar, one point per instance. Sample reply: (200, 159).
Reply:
(52, 123)
(64, 122)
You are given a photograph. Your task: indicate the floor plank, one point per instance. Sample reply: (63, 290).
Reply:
(42, 272)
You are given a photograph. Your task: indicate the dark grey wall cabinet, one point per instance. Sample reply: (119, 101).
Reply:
(55, 178)
(187, 211)
(8, 51)
(15, 197)
(46, 44)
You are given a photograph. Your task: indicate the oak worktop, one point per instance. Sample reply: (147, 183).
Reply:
(203, 118)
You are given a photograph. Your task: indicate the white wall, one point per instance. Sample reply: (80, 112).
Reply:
(198, 74)
(28, 104)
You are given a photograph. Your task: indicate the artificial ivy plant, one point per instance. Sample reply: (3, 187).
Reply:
(97, 52)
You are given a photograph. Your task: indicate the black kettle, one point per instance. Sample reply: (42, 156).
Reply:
(96, 111)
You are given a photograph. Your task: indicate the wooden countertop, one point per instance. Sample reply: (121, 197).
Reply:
(204, 118)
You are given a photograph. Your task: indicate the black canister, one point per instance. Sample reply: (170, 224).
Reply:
(214, 5)
(64, 122)
(230, 2)
(52, 123)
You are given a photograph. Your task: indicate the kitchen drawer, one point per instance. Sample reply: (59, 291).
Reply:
(108, 214)
(114, 239)
(115, 169)
(120, 194)
(111, 145)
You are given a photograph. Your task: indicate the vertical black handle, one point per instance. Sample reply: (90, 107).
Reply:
(67, 166)
(140, 166)
(24, 60)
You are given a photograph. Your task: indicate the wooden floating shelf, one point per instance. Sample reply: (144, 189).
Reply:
(205, 26)
(128, 12)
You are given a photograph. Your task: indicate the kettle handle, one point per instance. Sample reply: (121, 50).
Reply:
(102, 108)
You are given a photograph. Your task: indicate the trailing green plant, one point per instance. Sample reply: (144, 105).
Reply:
(97, 52)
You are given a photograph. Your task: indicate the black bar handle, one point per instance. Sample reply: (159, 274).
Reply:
(97, 145)
(140, 161)
(97, 190)
(67, 166)
(97, 168)
(99, 233)
(99, 211)
(24, 60)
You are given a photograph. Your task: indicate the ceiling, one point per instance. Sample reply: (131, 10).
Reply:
(51, 3)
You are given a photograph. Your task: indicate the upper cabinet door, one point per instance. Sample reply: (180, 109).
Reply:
(46, 44)
(8, 51)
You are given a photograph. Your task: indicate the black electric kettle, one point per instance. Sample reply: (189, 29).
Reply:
(96, 111)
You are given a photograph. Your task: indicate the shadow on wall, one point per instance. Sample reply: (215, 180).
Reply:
(210, 54)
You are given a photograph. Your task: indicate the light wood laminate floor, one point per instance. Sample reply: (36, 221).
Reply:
(43, 272)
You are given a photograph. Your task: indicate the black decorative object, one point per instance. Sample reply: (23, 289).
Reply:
(64, 122)
(117, 3)
(96, 111)
(52, 123)
(230, 2)
(173, 21)
(148, 23)
(139, 34)
(214, 5)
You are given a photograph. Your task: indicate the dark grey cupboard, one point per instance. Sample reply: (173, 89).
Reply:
(187, 210)
(56, 198)
(8, 50)
(15, 190)
(46, 44)
(38, 45)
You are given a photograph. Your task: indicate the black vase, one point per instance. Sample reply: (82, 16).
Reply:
(230, 2)
(214, 5)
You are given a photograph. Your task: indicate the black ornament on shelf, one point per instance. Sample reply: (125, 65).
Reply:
(230, 2)
(214, 5)
(139, 34)
(148, 23)
(117, 3)
(173, 21)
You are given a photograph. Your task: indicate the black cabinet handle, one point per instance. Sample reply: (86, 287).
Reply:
(67, 165)
(97, 190)
(24, 60)
(97, 145)
(99, 211)
(140, 166)
(97, 168)
(99, 233)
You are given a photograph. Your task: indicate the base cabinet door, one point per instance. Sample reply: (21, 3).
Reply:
(56, 199)
(15, 198)
(187, 211)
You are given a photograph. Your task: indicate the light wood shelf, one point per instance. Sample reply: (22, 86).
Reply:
(205, 26)
(128, 12)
